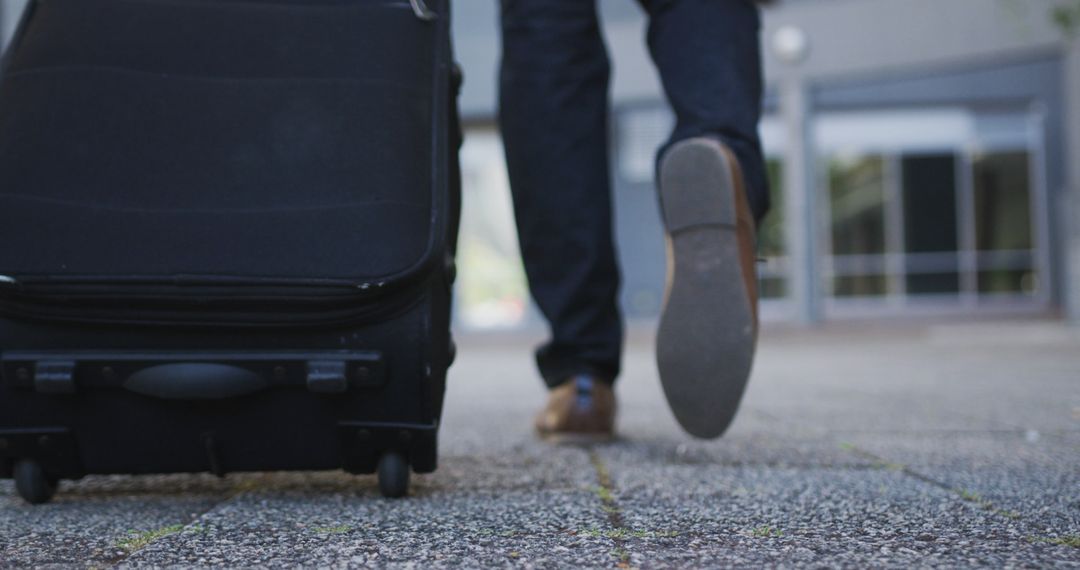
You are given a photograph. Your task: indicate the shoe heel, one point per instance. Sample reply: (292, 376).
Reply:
(697, 186)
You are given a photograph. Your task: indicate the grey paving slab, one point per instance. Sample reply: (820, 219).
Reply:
(98, 521)
(433, 528)
(818, 517)
(920, 382)
(924, 446)
(528, 468)
(1021, 475)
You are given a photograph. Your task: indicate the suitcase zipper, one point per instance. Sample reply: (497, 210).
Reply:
(218, 306)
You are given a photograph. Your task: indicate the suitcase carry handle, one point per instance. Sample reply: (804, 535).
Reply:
(195, 381)
(193, 375)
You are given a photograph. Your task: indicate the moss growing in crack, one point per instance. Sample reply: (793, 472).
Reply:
(603, 476)
(1072, 541)
(890, 466)
(623, 534)
(971, 496)
(137, 540)
(765, 532)
(601, 470)
(622, 555)
(503, 533)
(603, 493)
(1007, 514)
(338, 529)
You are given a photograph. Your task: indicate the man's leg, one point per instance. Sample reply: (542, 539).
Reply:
(554, 112)
(708, 53)
(712, 193)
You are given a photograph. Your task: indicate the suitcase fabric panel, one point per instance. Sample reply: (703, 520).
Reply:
(245, 156)
(372, 40)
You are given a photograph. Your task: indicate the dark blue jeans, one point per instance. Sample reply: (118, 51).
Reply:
(554, 116)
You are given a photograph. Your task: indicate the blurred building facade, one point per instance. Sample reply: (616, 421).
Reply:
(919, 151)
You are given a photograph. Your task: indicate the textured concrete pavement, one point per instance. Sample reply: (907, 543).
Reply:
(915, 445)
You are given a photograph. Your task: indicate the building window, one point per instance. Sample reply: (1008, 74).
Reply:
(1003, 222)
(857, 226)
(927, 207)
(772, 237)
(931, 223)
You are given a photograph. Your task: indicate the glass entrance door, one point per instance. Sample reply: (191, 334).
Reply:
(930, 208)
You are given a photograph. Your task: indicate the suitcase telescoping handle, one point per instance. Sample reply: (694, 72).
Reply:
(192, 376)
(422, 11)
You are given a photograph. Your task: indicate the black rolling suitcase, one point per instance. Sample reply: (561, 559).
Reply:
(226, 236)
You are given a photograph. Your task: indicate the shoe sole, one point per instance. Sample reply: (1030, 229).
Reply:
(707, 335)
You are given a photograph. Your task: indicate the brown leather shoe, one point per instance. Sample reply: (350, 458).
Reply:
(581, 410)
(708, 330)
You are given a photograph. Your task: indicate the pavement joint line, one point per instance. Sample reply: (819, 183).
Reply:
(780, 464)
(967, 496)
(606, 493)
(152, 536)
(779, 419)
(943, 431)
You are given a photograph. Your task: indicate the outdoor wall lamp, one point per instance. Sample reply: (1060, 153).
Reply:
(790, 44)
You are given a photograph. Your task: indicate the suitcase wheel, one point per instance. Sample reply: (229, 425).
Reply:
(393, 472)
(32, 484)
